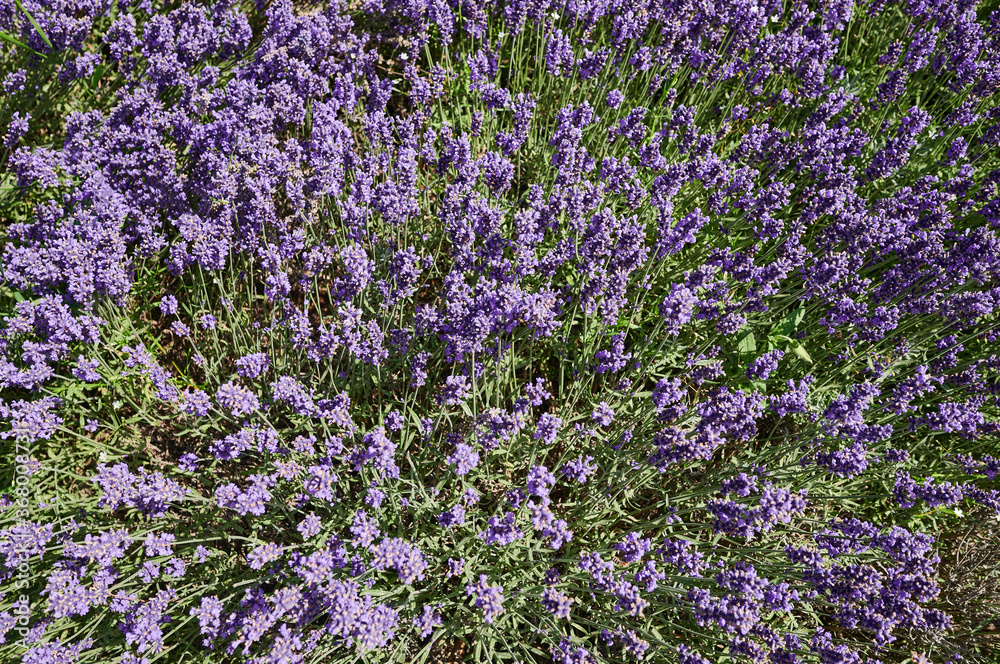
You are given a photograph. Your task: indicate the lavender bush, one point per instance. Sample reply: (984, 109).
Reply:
(503, 332)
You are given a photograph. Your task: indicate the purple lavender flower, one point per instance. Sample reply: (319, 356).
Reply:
(614, 359)
(453, 517)
(666, 393)
(579, 469)
(470, 497)
(896, 456)
(31, 421)
(309, 526)
(404, 557)
(320, 480)
(196, 403)
(159, 544)
(566, 653)
(253, 366)
(501, 531)
(209, 615)
(548, 428)
(375, 629)
(364, 529)
(289, 391)
(742, 485)
(55, 651)
(465, 458)
(540, 480)
(455, 390)
(14, 81)
(188, 462)
(633, 547)
(559, 57)
(848, 462)
(263, 554)
(142, 625)
(418, 366)
(523, 106)
(455, 567)
(237, 399)
(394, 420)
(28, 539)
(603, 414)
(556, 602)
(175, 568)
(86, 370)
(169, 305)
(649, 576)
(551, 576)
(150, 493)
(537, 393)
(793, 401)
(677, 308)
(688, 656)
(18, 128)
(427, 621)
(764, 365)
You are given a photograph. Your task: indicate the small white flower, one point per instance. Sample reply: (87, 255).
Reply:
(404, 57)
(103, 456)
(959, 513)
(117, 404)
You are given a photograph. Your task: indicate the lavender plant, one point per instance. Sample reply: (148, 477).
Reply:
(511, 331)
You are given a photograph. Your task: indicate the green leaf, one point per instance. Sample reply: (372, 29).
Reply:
(747, 346)
(801, 352)
(790, 323)
(38, 28)
(7, 37)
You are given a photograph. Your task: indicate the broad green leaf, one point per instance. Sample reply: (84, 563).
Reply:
(747, 346)
(790, 323)
(801, 352)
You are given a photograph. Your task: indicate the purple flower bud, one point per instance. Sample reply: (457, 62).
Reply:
(252, 366)
(455, 390)
(556, 602)
(237, 399)
(262, 555)
(548, 428)
(465, 459)
(762, 367)
(488, 598)
(603, 414)
(169, 305)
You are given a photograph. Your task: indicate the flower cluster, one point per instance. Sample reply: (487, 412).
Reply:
(315, 319)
